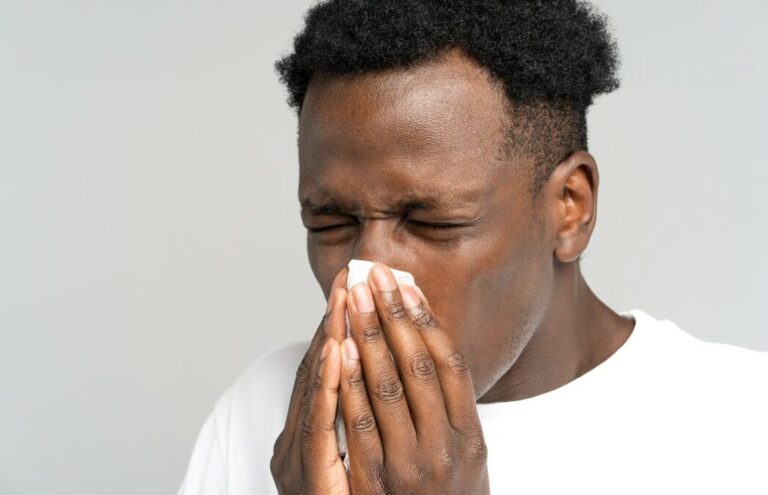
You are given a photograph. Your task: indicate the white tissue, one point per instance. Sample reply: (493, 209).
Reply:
(358, 272)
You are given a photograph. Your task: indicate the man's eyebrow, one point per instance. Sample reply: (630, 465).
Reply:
(407, 204)
(329, 208)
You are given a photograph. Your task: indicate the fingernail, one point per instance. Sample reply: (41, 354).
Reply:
(419, 291)
(383, 278)
(410, 297)
(351, 356)
(363, 298)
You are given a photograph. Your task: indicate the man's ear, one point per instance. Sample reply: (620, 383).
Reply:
(571, 195)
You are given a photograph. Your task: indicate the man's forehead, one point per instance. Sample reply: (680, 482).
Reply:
(438, 102)
(452, 71)
(424, 138)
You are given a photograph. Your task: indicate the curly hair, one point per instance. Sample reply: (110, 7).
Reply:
(552, 57)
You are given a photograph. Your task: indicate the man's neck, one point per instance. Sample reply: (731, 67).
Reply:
(577, 334)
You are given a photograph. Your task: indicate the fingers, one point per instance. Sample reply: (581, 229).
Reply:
(303, 375)
(382, 380)
(333, 324)
(320, 456)
(452, 368)
(288, 446)
(363, 439)
(414, 361)
(338, 325)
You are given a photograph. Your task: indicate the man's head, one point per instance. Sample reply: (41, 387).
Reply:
(447, 139)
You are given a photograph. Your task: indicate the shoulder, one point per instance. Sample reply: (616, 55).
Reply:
(727, 371)
(670, 338)
(232, 451)
(707, 402)
(693, 365)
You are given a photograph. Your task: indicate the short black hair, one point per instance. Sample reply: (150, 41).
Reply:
(552, 56)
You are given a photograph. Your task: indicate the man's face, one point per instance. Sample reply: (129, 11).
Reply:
(390, 153)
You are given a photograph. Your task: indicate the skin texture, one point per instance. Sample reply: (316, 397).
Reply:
(504, 287)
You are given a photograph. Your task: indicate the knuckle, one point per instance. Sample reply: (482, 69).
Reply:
(363, 423)
(355, 379)
(307, 418)
(424, 473)
(428, 474)
(326, 426)
(279, 475)
(306, 427)
(376, 480)
(389, 390)
(322, 328)
(444, 463)
(316, 382)
(278, 441)
(282, 474)
(456, 362)
(305, 398)
(422, 366)
(394, 310)
(274, 466)
(371, 333)
(302, 372)
(286, 482)
(473, 443)
(477, 450)
(305, 404)
(424, 319)
(324, 324)
(311, 427)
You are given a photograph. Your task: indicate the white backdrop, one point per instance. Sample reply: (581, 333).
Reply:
(148, 180)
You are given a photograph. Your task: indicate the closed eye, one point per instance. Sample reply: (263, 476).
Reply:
(435, 225)
(323, 229)
(440, 226)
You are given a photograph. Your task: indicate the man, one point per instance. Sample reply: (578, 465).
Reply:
(448, 139)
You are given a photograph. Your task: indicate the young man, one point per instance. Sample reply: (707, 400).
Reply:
(448, 139)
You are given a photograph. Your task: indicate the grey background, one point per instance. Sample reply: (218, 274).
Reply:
(151, 245)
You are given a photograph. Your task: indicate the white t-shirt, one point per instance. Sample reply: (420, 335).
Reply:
(666, 413)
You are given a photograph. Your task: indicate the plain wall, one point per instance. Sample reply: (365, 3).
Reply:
(150, 239)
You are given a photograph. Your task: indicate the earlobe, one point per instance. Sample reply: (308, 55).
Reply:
(574, 190)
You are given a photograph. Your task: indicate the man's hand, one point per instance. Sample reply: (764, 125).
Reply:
(306, 459)
(412, 424)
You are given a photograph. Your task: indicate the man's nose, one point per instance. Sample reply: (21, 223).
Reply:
(381, 240)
